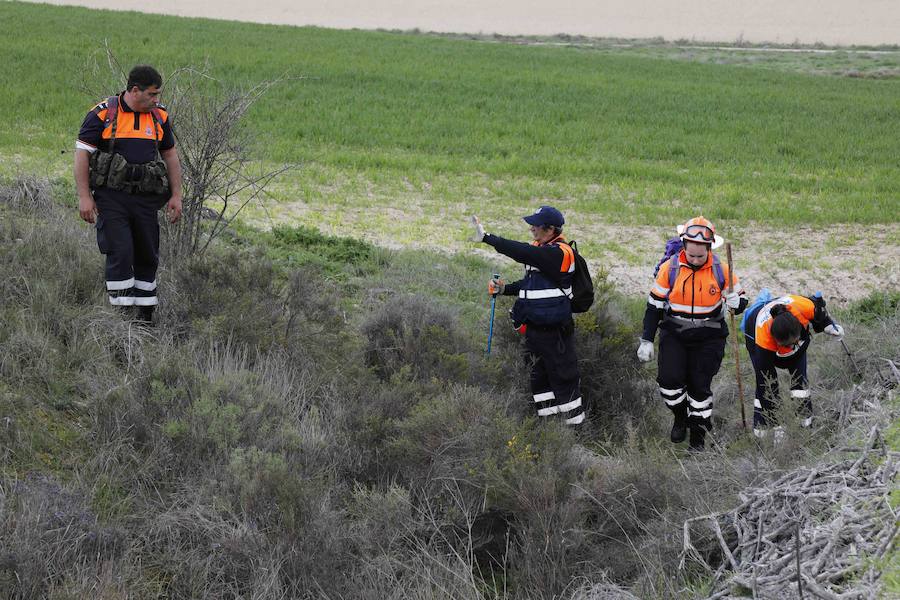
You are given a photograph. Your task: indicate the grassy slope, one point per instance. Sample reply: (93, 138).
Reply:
(471, 119)
(453, 125)
(111, 414)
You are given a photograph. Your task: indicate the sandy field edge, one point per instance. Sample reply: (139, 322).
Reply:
(828, 22)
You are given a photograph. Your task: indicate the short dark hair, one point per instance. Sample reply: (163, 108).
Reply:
(785, 326)
(143, 76)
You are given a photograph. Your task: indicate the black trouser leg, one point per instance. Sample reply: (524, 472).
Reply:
(555, 379)
(762, 399)
(672, 372)
(686, 370)
(704, 359)
(145, 227)
(114, 238)
(800, 389)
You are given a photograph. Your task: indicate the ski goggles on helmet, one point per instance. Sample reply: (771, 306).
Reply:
(699, 233)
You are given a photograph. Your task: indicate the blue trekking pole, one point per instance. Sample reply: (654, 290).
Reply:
(491, 325)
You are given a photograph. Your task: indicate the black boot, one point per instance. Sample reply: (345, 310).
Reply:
(698, 438)
(145, 315)
(679, 427)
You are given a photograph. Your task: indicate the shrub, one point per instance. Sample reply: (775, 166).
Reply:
(227, 295)
(47, 531)
(308, 246)
(196, 550)
(879, 305)
(610, 378)
(416, 336)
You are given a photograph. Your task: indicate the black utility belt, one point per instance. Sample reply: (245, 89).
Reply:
(112, 171)
(683, 323)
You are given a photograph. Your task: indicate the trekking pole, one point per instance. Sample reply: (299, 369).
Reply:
(844, 345)
(737, 355)
(491, 325)
(852, 360)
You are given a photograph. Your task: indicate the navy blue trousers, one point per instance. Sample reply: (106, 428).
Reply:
(555, 379)
(128, 235)
(765, 365)
(686, 367)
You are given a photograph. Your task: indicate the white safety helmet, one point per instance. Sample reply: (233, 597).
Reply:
(700, 230)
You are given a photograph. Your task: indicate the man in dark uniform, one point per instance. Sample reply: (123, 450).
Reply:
(126, 169)
(543, 311)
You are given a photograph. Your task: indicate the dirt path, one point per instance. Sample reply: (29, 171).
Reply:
(847, 262)
(802, 261)
(831, 22)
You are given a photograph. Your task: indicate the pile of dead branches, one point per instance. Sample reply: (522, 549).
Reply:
(816, 532)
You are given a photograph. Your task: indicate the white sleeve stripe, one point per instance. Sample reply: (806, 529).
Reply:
(79, 145)
(654, 302)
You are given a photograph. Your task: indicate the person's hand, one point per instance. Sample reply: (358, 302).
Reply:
(496, 286)
(87, 208)
(173, 209)
(478, 236)
(732, 300)
(835, 330)
(645, 351)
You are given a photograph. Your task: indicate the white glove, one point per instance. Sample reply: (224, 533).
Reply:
(835, 330)
(645, 351)
(732, 300)
(478, 236)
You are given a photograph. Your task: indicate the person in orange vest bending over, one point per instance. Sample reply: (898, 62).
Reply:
(687, 304)
(776, 333)
(543, 312)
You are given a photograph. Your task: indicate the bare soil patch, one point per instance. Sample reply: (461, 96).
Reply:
(832, 22)
(803, 260)
(847, 262)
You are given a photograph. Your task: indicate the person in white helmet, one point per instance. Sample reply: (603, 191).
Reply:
(687, 304)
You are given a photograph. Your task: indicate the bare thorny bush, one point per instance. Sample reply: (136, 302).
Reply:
(220, 179)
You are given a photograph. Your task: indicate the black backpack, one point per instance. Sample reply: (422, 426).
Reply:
(582, 285)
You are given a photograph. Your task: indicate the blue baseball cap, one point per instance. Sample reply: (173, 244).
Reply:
(544, 216)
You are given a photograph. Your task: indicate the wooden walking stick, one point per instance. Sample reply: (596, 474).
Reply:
(734, 338)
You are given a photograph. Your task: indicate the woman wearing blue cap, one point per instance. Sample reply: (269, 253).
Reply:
(543, 312)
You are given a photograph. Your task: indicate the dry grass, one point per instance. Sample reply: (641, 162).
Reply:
(259, 444)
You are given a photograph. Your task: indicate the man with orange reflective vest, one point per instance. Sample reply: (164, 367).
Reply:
(687, 304)
(776, 333)
(543, 311)
(126, 169)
